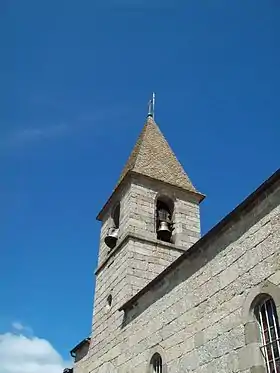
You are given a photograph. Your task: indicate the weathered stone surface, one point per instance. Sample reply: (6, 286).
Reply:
(193, 315)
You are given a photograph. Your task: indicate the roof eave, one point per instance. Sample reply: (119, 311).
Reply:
(79, 345)
(115, 192)
(127, 177)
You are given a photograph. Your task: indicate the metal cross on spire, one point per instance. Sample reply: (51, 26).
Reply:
(151, 106)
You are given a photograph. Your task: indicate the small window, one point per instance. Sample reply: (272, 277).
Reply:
(156, 363)
(269, 328)
(109, 300)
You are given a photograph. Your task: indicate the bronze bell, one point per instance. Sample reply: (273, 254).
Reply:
(111, 237)
(164, 232)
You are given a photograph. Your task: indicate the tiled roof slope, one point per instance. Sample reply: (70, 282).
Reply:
(153, 157)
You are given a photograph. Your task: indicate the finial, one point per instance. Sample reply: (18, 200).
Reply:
(151, 106)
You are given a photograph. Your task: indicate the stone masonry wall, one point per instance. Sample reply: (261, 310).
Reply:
(186, 223)
(147, 260)
(141, 257)
(130, 269)
(139, 206)
(136, 260)
(103, 248)
(137, 214)
(107, 221)
(194, 316)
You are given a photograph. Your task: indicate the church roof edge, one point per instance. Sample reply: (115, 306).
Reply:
(246, 204)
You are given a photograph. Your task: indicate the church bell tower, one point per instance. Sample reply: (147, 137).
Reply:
(150, 219)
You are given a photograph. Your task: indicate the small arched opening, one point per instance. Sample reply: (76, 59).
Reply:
(164, 218)
(113, 231)
(116, 215)
(109, 301)
(156, 363)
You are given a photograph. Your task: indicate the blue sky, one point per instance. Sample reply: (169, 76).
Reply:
(75, 81)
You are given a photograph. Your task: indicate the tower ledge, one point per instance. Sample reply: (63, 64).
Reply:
(138, 237)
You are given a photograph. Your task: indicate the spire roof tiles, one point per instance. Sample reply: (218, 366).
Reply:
(153, 157)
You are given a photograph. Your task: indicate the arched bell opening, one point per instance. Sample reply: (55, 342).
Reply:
(113, 231)
(164, 218)
(116, 216)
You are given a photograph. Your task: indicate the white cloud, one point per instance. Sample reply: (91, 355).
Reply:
(27, 135)
(23, 354)
(19, 327)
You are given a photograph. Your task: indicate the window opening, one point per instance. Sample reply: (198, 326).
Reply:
(109, 300)
(269, 327)
(156, 363)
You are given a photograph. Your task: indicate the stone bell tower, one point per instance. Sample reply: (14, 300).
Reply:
(150, 219)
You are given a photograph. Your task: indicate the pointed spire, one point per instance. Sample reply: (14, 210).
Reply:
(153, 157)
(151, 106)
